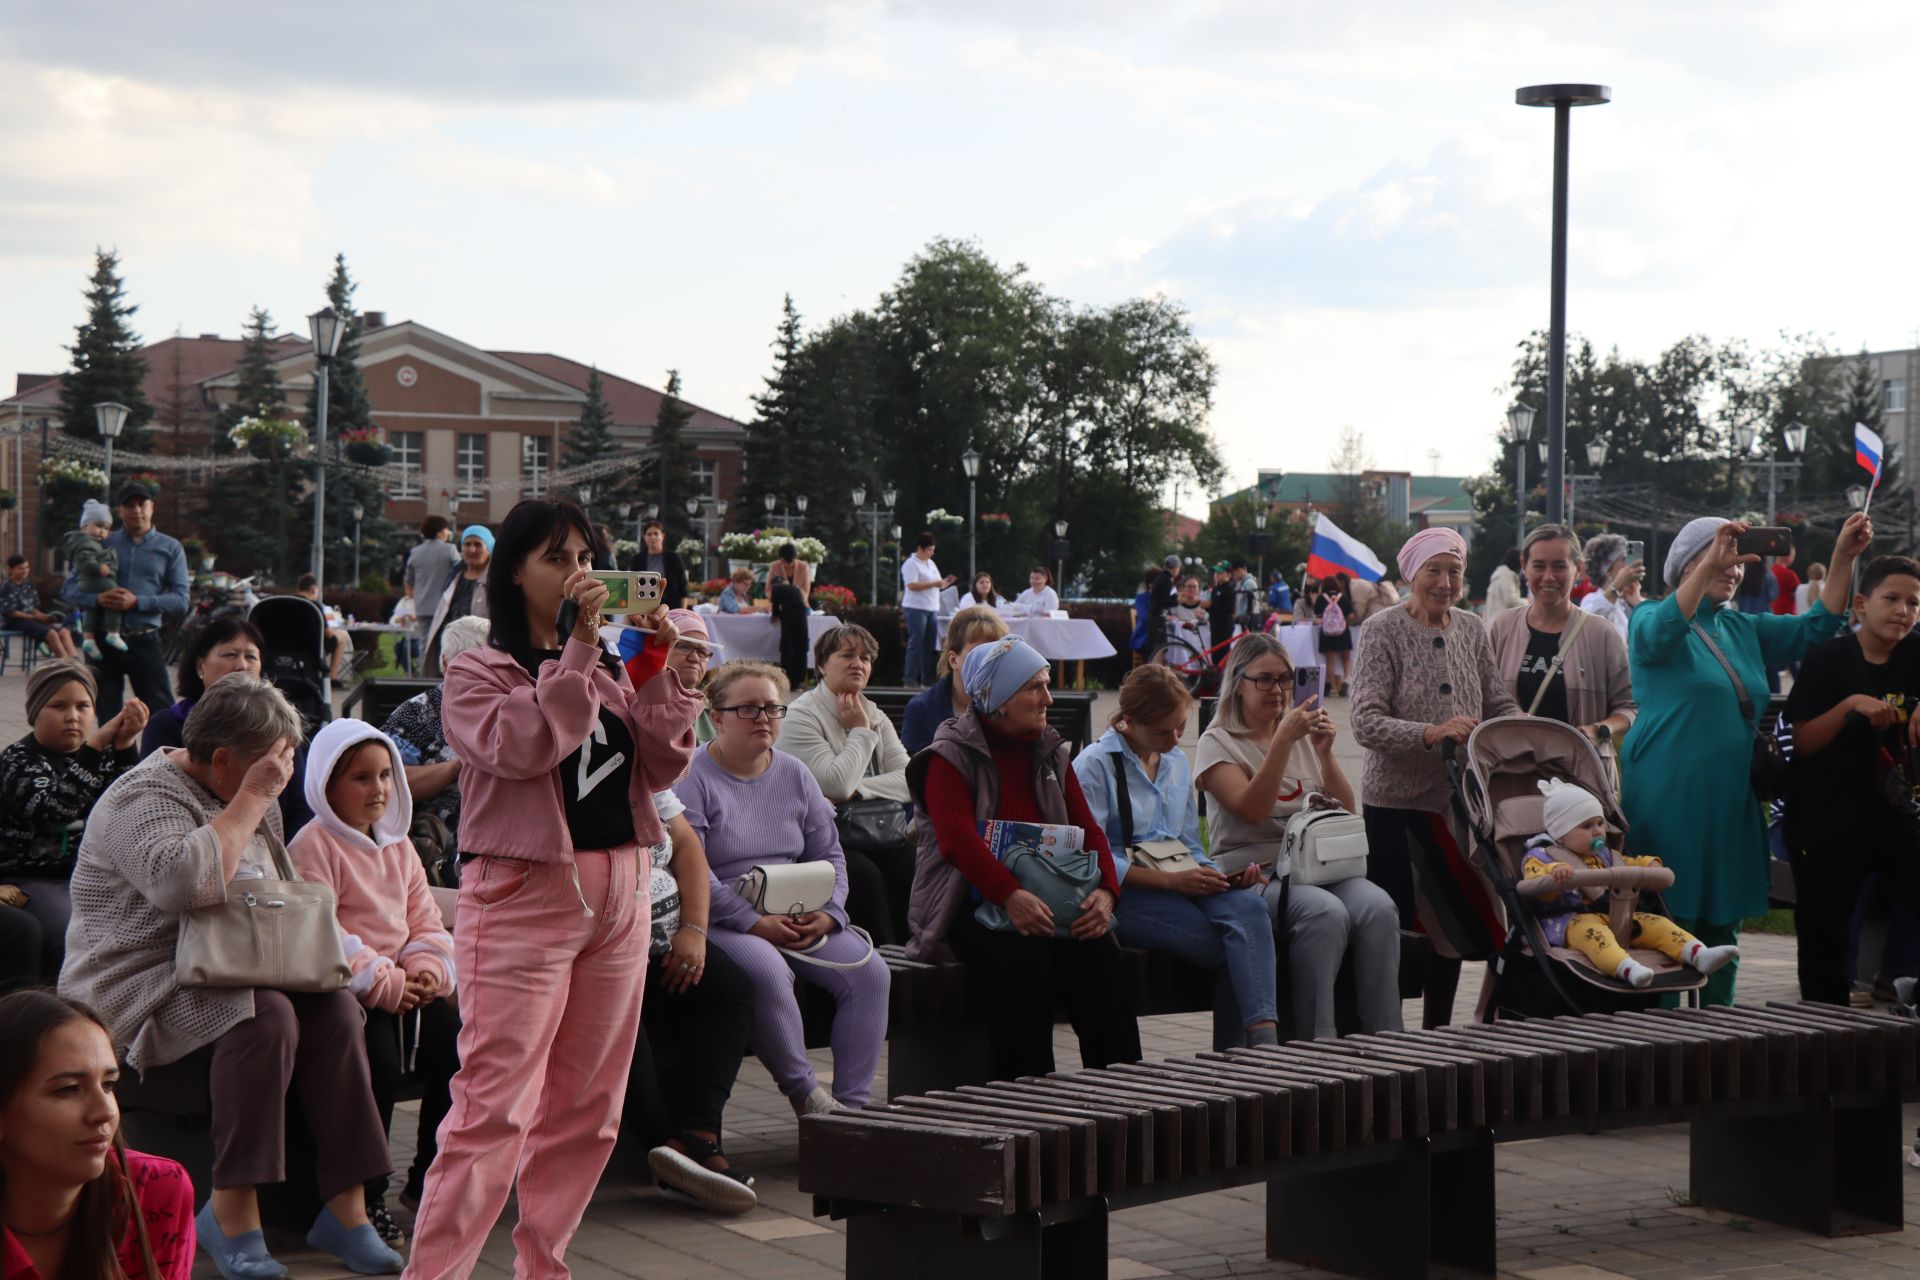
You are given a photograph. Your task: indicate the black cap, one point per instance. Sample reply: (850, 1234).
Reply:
(135, 492)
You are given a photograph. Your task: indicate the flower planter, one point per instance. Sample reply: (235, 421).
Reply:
(9, 502)
(368, 453)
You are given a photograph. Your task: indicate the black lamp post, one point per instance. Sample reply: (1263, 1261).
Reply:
(111, 417)
(1562, 98)
(328, 327)
(1519, 428)
(970, 463)
(1060, 549)
(359, 510)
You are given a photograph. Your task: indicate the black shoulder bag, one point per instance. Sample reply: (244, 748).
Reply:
(1768, 768)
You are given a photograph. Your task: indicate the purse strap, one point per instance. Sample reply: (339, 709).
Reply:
(807, 956)
(1126, 799)
(1739, 686)
(1567, 637)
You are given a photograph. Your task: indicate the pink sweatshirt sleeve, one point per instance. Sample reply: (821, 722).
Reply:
(429, 946)
(508, 728)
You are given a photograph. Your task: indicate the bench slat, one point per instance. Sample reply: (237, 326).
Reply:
(855, 1157)
(1249, 1105)
(1216, 1120)
(1056, 1145)
(1109, 1141)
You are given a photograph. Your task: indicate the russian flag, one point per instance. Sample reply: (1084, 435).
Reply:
(1334, 550)
(1867, 449)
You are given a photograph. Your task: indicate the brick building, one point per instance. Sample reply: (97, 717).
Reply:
(472, 431)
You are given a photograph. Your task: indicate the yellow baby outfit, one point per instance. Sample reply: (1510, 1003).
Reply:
(1569, 924)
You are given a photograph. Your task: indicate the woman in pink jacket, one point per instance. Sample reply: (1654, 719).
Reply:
(560, 756)
(396, 943)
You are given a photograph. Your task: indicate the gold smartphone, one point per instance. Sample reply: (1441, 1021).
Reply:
(630, 592)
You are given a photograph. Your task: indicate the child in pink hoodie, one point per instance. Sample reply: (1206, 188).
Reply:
(396, 943)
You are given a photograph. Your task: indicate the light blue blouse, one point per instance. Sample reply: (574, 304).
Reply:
(1164, 808)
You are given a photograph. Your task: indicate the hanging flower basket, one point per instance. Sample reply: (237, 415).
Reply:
(940, 517)
(997, 521)
(368, 453)
(8, 500)
(259, 436)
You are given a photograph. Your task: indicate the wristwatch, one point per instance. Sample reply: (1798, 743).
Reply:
(1604, 731)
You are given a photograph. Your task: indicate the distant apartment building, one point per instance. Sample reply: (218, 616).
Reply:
(1899, 375)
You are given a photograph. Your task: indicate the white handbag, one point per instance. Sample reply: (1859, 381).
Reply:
(1325, 844)
(797, 889)
(787, 888)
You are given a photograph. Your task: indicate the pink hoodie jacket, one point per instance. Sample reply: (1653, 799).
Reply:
(512, 732)
(389, 923)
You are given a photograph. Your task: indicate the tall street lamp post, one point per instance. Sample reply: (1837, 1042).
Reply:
(1519, 427)
(1562, 98)
(899, 587)
(1774, 468)
(359, 510)
(328, 327)
(873, 515)
(970, 463)
(1060, 550)
(111, 418)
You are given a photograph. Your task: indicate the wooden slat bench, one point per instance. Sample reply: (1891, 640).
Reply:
(376, 698)
(1377, 1151)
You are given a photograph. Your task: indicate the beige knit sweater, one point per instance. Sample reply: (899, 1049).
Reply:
(1408, 675)
(148, 855)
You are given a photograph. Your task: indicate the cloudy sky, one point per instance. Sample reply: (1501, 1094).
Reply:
(1342, 193)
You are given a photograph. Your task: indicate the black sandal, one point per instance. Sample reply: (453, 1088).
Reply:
(722, 1190)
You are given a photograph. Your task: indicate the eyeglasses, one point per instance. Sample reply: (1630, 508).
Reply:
(1268, 683)
(754, 711)
(688, 649)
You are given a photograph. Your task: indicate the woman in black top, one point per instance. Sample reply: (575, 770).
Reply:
(657, 557)
(1336, 650)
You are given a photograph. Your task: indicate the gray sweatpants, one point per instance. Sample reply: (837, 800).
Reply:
(1322, 922)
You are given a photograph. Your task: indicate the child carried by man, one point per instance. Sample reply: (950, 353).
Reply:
(92, 564)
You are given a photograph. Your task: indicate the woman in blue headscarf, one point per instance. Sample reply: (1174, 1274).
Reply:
(1000, 761)
(466, 595)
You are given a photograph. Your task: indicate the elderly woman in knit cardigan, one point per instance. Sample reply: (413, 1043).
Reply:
(1561, 661)
(1427, 675)
(168, 838)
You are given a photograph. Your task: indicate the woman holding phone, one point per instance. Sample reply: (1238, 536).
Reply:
(560, 756)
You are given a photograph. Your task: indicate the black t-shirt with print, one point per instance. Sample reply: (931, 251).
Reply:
(1836, 792)
(1541, 647)
(595, 781)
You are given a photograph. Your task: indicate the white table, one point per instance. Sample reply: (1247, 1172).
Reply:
(1302, 640)
(1059, 640)
(401, 650)
(754, 635)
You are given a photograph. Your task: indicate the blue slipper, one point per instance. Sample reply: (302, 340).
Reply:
(361, 1247)
(241, 1257)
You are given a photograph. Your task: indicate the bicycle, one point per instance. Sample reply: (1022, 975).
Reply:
(1192, 659)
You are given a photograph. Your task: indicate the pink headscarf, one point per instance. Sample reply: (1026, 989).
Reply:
(1425, 545)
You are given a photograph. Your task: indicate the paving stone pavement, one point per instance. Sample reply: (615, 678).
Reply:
(1570, 1208)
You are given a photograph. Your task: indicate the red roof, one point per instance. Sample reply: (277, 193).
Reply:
(632, 404)
(200, 358)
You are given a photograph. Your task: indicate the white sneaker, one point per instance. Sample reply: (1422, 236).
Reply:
(1709, 959)
(113, 641)
(817, 1103)
(1633, 971)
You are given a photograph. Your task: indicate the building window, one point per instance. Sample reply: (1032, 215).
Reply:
(1894, 395)
(536, 462)
(471, 466)
(404, 466)
(706, 478)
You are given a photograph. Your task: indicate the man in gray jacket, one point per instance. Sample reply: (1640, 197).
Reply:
(430, 567)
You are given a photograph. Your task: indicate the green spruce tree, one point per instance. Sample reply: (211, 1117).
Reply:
(773, 431)
(251, 532)
(107, 364)
(349, 410)
(668, 476)
(590, 439)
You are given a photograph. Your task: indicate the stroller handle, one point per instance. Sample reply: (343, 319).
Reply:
(1636, 879)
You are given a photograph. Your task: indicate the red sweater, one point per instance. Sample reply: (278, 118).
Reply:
(949, 797)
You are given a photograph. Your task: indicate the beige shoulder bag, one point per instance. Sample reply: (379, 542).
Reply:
(277, 934)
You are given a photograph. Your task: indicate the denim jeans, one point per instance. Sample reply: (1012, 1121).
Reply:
(921, 626)
(1228, 929)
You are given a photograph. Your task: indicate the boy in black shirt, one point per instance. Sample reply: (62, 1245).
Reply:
(1852, 711)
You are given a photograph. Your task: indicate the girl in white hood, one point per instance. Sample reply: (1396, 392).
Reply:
(396, 942)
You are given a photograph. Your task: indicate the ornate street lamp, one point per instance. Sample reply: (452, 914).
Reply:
(328, 327)
(111, 418)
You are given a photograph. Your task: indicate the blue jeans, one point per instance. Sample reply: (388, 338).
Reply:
(1230, 929)
(921, 625)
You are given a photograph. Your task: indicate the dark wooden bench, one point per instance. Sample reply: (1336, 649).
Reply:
(936, 1039)
(1376, 1150)
(374, 699)
(1071, 714)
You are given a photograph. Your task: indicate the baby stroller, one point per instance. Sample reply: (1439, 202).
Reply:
(1496, 794)
(294, 659)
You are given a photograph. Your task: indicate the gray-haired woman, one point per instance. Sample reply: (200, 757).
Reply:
(165, 839)
(1616, 581)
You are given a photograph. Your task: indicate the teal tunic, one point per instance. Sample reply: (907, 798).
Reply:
(1684, 766)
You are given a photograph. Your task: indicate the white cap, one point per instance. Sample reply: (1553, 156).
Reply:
(1568, 805)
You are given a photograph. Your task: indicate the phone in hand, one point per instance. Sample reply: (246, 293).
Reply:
(1309, 682)
(1636, 552)
(1766, 540)
(630, 592)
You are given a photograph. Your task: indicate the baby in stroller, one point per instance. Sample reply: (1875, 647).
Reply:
(1576, 840)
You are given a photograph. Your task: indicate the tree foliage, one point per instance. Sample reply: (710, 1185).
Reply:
(666, 477)
(107, 363)
(1081, 414)
(255, 531)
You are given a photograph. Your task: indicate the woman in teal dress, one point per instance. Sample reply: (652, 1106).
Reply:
(1685, 764)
